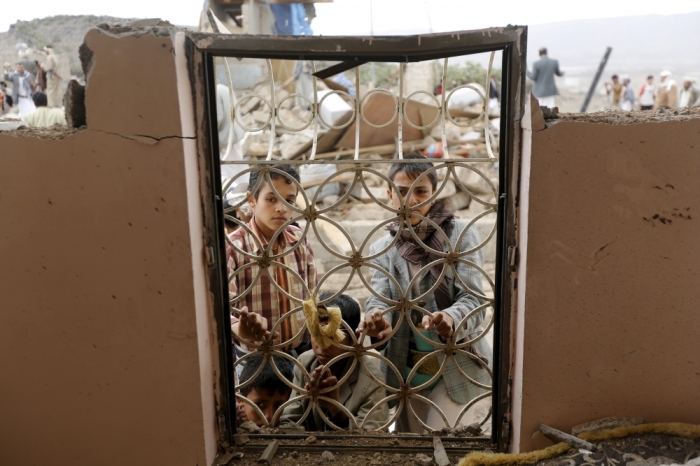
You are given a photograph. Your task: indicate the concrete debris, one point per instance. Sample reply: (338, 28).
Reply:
(290, 428)
(474, 429)
(327, 456)
(606, 423)
(422, 460)
(309, 440)
(559, 436)
(439, 453)
(241, 439)
(250, 426)
(269, 453)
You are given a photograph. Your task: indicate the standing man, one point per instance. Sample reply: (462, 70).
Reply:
(647, 94)
(628, 95)
(53, 80)
(22, 85)
(667, 95)
(689, 94)
(543, 71)
(614, 91)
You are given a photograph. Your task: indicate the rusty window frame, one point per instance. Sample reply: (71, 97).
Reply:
(512, 41)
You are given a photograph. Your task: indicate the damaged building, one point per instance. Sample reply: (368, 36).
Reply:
(116, 336)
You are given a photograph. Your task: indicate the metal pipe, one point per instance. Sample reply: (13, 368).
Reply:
(603, 62)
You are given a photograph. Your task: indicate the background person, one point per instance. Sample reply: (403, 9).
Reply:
(543, 71)
(22, 88)
(614, 90)
(43, 117)
(647, 94)
(53, 80)
(667, 95)
(627, 95)
(689, 94)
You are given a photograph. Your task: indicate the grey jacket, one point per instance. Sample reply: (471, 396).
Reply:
(14, 78)
(359, 394)
(458, 387)
(542, 74)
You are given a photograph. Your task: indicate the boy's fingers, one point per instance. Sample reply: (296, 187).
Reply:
(427, 322)
(439, 317)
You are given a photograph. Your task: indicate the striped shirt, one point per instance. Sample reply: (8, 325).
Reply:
(294, 271)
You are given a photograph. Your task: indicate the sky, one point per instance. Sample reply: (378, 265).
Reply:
(362, 17)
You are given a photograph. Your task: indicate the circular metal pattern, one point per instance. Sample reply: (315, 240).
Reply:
(379, 91)
(437, 115)
(360, 348)
(239, 118)
(344, 125)
(360, 351)
(469, 122)
(291, 128)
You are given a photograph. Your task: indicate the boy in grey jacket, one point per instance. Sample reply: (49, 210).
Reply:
(438, 303)
(359, 393)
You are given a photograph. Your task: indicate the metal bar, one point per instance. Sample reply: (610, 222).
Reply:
(598, 73)
(316, 448)
(382, 48)
(219, 283)
(354, 161)
(337, 69)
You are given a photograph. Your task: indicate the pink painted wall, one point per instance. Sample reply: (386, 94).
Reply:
(610, 312)
(102, 336)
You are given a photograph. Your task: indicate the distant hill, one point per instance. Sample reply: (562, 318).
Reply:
(64, 32)
(641, 44)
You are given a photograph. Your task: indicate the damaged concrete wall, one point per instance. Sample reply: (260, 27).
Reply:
(105, 331)
(611, 285)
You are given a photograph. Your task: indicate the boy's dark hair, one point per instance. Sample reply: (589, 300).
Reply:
(615, 76)
(414, 169)
(290, 170)
(40, 99)
(349, 308)
(651, 76)
(267, 378)
(543, 51)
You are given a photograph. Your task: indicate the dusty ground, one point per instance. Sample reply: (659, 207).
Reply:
(356, 450)
(643, 450)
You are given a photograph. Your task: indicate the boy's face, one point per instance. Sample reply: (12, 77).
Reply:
(325, 355)
(270, 212)
(422, 191)
(267, 402)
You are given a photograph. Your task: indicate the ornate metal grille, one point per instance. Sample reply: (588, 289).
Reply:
(461, 258)
(456, 262)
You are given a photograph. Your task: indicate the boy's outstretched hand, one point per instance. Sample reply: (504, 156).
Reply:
(321, 379)
(442, 322)
(241, 416)
(378, 327)
(252, 327)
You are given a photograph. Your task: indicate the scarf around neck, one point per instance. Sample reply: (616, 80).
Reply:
(413, 252)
